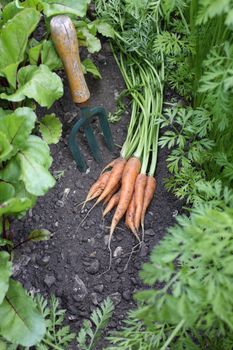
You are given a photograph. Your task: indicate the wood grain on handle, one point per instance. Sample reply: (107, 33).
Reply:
(65, 40)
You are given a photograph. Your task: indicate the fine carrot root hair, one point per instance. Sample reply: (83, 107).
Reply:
(114, 178)
(129, 217)
(95, 195)
(149, 193)
(130, 173)
(112, 203)
(140, 186)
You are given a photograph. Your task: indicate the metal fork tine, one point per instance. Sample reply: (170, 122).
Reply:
(75, 150)
(92, 143)
(103, 119)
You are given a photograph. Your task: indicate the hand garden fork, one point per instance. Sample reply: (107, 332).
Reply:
(65, 40)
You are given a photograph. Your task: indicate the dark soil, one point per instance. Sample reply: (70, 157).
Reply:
(72, 262)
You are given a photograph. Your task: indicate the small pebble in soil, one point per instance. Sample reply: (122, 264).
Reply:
(72, 318)
(118, 252)
(91, 241)
(108, 278)
(94, 267)
(93, 254)
(119, 270)
(99, 288)
(23, 261)
(101, 58)
(150, 232)
(45, 259)
(126, 295)
(80, 289)
(175, 213)
(116, 298)
(144, 250)
(49, 280)
(94, 299)
(116, 94)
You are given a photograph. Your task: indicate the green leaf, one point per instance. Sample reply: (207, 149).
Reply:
(5, 147)
(91, 42)
(46, 52)
(5, 242)
(7, 191)
(21, 323)
(49, 56)
(229, 18)
(90, 67)
(51, 128)
(13, 41)
(4, 112)
(37, 149)
(100, 318)
(39, 235)
(104, 28)
(15, 205)
(78, 8)
(34, 53)
(38, 83)
(35, 161)
(18, 126)
(11, 171)
(3, 345)
(210, 9)
(6, 271)
(9, 11)
(5, 2)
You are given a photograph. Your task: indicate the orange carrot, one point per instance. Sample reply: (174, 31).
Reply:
(140, 186)
(100, 183)
(112, 203)
(130, 173)
(110, 165)
(109, 196)
(129, 217)
(114, 178)
(149, 193)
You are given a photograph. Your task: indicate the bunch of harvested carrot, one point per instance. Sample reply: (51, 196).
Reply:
(128, 183)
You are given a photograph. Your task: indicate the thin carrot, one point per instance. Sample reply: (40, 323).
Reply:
(129, 217)
(112, 203)
(130, 173)
(114, 178)
(149, 193)
(99, 184)
(109, 196)
(110, 165)
(140, 186)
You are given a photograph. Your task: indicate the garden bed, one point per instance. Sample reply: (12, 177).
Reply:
(72, 263)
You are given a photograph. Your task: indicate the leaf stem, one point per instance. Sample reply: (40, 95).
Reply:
(173, 334)
(51, 344)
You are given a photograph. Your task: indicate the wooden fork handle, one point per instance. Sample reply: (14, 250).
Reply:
(65, 40)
